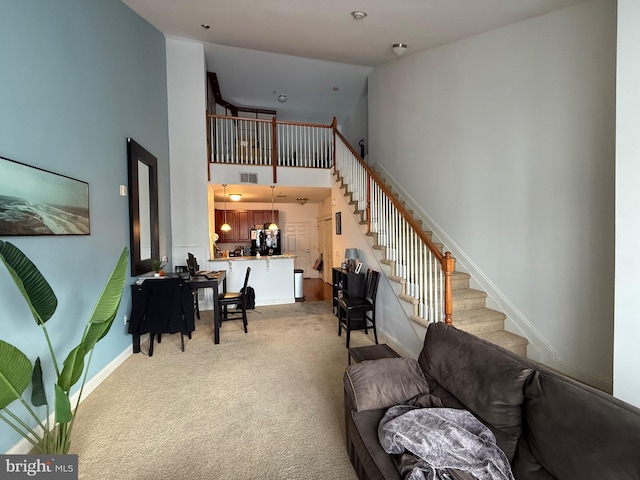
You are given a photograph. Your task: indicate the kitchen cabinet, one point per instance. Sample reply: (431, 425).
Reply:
(232, 220)
(260, 217)
(243, 233)
(241, 222)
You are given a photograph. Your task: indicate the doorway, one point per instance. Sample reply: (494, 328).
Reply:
(325, 234)
(297, 241)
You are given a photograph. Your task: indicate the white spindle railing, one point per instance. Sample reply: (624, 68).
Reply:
(418, 267)
(302, 145)
(249, 141)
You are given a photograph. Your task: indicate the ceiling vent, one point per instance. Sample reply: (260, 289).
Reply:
(248, 178)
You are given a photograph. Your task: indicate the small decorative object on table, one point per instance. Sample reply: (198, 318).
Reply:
(157, 266)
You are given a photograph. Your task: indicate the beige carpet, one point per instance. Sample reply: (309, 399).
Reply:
(267, 404)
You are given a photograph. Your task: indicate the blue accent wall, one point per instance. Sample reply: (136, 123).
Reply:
(77, 77)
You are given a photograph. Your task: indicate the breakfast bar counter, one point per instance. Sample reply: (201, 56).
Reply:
(272, 276)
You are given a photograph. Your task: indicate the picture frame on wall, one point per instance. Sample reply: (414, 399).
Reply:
(338, 223)
(35, 202)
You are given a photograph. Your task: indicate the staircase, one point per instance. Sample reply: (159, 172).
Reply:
(470, 312)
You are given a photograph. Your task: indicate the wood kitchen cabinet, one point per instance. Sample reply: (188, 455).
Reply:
(232, 220)
(241, 222)
(260, 217)
(243, 233)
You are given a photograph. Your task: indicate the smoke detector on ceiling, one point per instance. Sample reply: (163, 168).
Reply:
(399, 48)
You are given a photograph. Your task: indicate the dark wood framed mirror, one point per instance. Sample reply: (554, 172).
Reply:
(143, 208)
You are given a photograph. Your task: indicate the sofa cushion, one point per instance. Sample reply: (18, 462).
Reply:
(526, 465)
(374, 462)
(487, 379)
(384, 382)
(576, 431)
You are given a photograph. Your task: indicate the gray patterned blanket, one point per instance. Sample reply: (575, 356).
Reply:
(443, 438)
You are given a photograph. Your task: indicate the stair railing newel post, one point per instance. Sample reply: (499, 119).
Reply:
(274, 154)
(448, 266)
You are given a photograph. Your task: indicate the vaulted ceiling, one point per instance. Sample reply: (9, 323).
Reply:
(315, 52)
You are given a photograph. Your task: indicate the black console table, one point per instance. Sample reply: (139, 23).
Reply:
(346, 284)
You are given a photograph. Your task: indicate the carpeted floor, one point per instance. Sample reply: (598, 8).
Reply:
(267, 404)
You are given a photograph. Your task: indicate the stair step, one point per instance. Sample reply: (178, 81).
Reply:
(481, 320)
(467, 299)
(510, 341)
(460, 280)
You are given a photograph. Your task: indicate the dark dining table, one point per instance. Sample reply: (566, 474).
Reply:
(213, 280)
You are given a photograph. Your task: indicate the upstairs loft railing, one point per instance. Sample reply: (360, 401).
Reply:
(418, 263)
(250, 141)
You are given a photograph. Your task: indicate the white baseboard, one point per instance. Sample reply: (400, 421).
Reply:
(24, 446)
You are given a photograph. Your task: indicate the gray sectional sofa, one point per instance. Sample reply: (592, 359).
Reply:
(547, 425)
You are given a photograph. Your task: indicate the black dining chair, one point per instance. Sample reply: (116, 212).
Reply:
(357, 309)
(237, 299)
(162, 306)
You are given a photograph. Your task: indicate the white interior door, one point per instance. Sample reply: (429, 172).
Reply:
(297, 238)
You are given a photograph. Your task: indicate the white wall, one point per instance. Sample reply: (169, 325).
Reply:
(627, 300)
(186, 93)
(356, 125)
(507, 141)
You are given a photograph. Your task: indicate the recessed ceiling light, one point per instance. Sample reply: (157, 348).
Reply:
(358, 15)
(205, 26)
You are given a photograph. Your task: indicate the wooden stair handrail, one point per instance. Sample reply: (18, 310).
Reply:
(403, 211)
(446, 260)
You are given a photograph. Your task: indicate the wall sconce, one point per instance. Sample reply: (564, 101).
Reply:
(235, 196)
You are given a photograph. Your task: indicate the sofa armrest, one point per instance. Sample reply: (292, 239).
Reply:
(383, 383)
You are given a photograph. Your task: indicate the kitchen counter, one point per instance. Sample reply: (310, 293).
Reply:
(248, 257)
(271, 277)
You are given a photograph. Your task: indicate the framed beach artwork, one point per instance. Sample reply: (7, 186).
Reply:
(34, 202)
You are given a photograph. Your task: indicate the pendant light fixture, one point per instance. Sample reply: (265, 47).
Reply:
(273, 225)
(225, 227)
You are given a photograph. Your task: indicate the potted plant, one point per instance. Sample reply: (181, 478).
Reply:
(157, 266)
(17, 370)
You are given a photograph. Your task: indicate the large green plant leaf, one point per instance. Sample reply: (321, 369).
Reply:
(15, 373)
(72, 370)
(63, 406)
(109, 301)
(100, 322)
(38, 393)
(34, 288)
